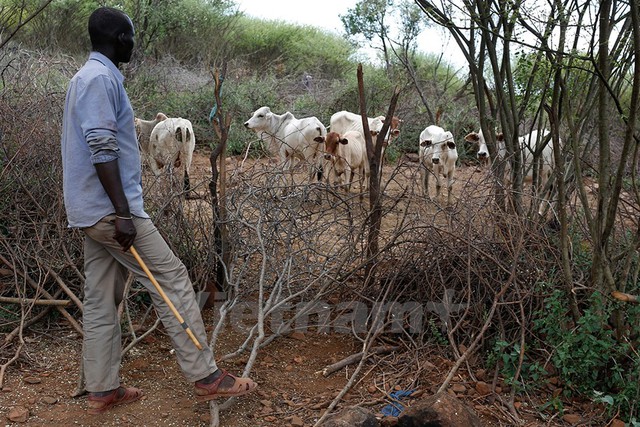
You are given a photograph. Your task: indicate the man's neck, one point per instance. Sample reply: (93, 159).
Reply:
(109, 53)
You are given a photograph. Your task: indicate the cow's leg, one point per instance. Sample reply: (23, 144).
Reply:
(449, 186)
(424, 175)
(348, 178)
(156, 167)
(287, 175)
(436, 171)
(329, 173)
(313, 170)
(186, 182)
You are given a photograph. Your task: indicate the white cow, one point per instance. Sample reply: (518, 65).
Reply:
(345, 121)
(527, 145)
(144, 128)
(171, 144)
(346, 154)
(294, 138)
(438, 156)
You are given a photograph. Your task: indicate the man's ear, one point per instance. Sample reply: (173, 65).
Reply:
(125, 39)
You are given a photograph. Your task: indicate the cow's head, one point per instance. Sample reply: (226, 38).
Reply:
(394, 128)
(331, 143)
(439, 145)
(478, 140)
(259, 121)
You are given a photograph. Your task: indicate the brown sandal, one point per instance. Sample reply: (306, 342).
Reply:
(119, 396)
(241, 386)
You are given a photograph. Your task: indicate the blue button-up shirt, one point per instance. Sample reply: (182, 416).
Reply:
(98, 128)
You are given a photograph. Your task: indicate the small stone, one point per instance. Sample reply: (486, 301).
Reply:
(481, 374)
(459, 388)
(32, 380)
(18, 414)
(270, 419)
(297, 421)
(418, 393)
(372, 389)
(428, 365)
(50, 400)
(298, 359)
(572, 418)
(266, 402)
(483, 388)
(617, 423)
(297, 336)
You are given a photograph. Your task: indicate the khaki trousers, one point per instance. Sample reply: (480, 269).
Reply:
(106, 267)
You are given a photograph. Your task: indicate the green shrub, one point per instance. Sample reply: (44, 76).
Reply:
(588, 357)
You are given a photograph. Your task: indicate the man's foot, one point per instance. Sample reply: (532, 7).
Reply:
(100, 402)
(223, 384)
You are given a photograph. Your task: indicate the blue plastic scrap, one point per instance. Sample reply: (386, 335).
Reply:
(393, 409)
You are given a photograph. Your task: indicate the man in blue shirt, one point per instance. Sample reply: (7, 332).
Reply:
(103, 197)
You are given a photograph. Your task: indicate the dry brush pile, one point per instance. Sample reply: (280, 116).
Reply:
(460, 277)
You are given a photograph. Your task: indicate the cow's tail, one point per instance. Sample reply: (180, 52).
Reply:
(322, 131)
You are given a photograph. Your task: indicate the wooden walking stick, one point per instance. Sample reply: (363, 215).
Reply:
(166, 298)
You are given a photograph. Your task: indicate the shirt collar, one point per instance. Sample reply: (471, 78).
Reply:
(107, 63)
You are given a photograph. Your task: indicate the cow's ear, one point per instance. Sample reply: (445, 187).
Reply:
(374, 132)
(451, 144)
(344, 141)
(161, 116)
(319, 139)
(472, 137)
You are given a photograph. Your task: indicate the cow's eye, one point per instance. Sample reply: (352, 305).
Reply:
(260, 115)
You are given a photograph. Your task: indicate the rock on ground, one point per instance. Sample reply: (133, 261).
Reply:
(439, 410)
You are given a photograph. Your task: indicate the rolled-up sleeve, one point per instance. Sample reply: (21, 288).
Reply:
(97, 118)
(103, 149)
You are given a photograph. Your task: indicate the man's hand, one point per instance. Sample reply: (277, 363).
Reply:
(125, 232)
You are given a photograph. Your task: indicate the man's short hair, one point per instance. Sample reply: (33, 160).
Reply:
(105, 24)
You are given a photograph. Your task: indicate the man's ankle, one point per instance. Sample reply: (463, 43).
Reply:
(211, 377)
(101, 393)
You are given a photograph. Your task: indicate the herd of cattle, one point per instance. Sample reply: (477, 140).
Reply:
(339, 153)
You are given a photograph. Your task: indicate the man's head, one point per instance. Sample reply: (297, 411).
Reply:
(111, 32)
